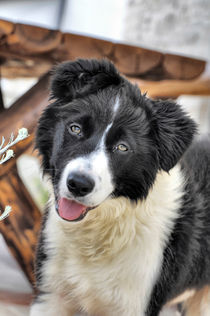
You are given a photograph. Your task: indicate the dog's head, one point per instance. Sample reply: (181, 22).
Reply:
(101, 138)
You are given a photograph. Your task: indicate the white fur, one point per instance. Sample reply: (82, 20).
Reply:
(116, 105)
(108, 263)
(102, 142)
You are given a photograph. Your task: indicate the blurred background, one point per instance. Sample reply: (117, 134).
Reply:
(173, 26)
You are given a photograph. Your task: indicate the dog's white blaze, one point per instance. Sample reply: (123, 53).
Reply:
(116, 105)
(108, 263)
(102, 142)
(115, 110)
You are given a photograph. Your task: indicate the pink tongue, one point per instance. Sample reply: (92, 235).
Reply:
(70, 210)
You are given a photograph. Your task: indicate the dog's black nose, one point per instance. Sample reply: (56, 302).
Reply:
(79, 185)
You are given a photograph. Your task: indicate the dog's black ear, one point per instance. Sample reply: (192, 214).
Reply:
(173, 131)
(81, 77)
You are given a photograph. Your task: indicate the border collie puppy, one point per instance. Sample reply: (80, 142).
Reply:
(127, 228)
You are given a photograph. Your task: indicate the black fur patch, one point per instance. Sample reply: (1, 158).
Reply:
(173, 130)
(74, 80)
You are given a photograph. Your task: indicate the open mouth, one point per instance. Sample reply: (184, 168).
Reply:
(71, 210)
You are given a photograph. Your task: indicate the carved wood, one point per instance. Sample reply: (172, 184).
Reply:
(21, 228)
(180, 67)
(32, 39)
(27, 45)
(78, 46)
(19, 67)
(26, 110)
(6, 28)
(135, 60)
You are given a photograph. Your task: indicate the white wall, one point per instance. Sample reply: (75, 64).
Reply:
(178, 26)
(99, 18)
(95, 17)
(39, 12)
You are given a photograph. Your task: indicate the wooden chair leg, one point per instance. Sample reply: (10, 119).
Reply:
(20, 229)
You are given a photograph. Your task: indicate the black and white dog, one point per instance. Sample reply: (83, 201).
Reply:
(127, 228)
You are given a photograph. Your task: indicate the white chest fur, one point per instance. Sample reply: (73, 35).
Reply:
(108, 263)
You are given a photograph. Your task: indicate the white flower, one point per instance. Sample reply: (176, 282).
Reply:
(6, 154)
(6, 212)
(9, 154)
(22, 134)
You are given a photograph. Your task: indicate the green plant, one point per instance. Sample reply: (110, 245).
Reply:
(6, 153)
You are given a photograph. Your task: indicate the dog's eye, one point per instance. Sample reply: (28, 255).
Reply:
(75, 129)
(122, 147)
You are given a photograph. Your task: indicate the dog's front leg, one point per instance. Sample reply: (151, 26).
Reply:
(50, 305)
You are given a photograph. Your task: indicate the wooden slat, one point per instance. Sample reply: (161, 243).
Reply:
(180, 67)
(6, 28)
(33, 40)
(174, 88)
(135, 60)
(78, 46)
(26, 42)
(27, 68)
